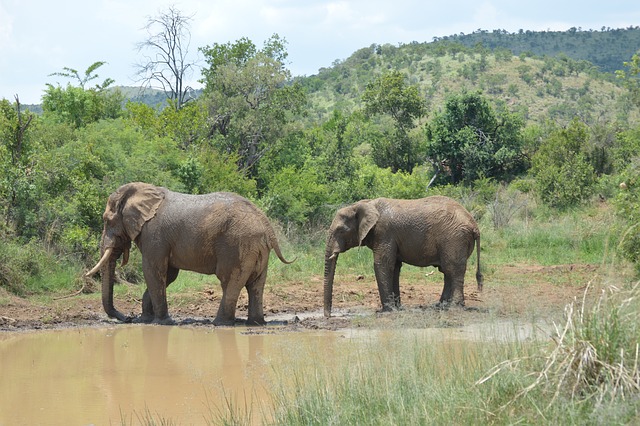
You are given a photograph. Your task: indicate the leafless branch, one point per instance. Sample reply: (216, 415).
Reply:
(167, 65)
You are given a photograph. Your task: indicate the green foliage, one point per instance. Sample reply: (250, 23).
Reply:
(627, 203)
(295, 196)
(207, 170)
(577, 48)
(88, 76)
(563, 175)
(373, 182)
(80, 107)
(467, 140)
(390, 95)
(249, 99)
(28, 268)
(186, 125)
(631, 77)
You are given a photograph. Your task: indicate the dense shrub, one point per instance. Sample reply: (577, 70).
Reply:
(564, 177)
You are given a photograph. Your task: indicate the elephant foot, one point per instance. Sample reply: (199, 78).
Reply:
(446, 304)
(224, 322)
(260, 321)
(164, 321)
(145, 318)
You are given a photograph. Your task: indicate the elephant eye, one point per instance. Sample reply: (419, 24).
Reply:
(343, 229)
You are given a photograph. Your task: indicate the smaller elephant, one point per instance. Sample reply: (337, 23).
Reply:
(220, 233)
(433, 231)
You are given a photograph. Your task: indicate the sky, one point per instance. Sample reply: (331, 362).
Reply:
(41, 37)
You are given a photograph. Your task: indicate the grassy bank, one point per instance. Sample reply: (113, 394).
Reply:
(588, 373)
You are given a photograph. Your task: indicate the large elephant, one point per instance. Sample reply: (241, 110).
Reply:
(220, 233)
(432, 231)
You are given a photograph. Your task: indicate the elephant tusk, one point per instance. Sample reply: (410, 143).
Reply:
(102, 261)
(333, 256)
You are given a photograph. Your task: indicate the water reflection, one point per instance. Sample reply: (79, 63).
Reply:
(182, 374)
(86, 376)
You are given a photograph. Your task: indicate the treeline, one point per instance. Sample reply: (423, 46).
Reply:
(257, 131)
(604, 49)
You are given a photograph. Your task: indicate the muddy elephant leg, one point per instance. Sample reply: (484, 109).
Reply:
(147, 306)
(453, 291)
(156, 277)
(458, 285)
(396, 285)
(255, 290)
(384, 271)
(447, 291)
(232, 283)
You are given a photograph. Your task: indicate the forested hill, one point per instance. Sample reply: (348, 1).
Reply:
(539, 87)
(606, 49)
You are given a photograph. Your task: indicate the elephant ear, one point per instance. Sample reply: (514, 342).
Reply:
(141, 205)
(367, 215)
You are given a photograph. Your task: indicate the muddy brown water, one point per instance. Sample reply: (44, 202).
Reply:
(186, 375)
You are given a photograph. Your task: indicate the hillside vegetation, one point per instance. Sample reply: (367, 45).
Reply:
(603, 48)
(558, 88)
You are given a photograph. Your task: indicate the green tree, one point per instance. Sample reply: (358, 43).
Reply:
(16, 149)
(563, 175)
(390, 95)
(631, 77)
(295, 195)
(626, 156)
(187, 125)
(79, 106)
(250, 98)
(468, 140)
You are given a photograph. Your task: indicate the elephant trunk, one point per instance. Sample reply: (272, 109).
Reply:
(108, 269)
(330, 261)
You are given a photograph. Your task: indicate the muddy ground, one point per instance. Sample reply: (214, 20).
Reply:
(510, 292)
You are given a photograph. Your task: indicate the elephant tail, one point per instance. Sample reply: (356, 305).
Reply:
(273, 244)
(479, 277)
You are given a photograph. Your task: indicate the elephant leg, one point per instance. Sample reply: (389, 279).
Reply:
(147, 306)
(384, 278)
(156, 278)
(447, 291)
(231, 286)
(396, 285)
(255, 290)
(453, 291)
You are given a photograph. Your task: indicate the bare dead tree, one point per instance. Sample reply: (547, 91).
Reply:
(166, 64)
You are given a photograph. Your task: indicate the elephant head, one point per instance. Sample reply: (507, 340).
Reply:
(128, 209)
(348, 229)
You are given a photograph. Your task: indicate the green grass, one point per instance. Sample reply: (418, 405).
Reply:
(588, 373)
(575, 237)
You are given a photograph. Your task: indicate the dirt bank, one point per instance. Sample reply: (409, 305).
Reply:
(513, 292)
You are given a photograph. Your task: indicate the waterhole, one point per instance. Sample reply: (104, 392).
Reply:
(185, 375)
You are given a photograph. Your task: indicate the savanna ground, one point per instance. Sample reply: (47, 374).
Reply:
(514, 291)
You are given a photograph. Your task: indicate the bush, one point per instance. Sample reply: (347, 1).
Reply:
(29, 268)
(563, 175)
(295, 195)
(627, 204)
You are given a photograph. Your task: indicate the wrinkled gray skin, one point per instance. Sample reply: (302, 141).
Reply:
(219, 233)
(432, 231)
